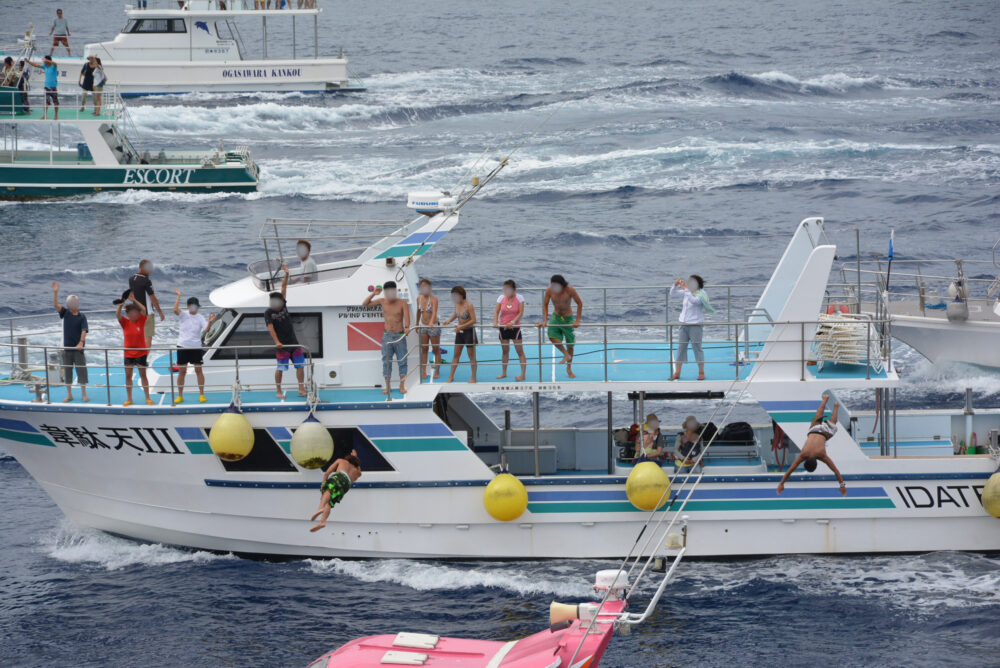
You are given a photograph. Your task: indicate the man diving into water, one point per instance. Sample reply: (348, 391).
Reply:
(814, 449)
(336, 483)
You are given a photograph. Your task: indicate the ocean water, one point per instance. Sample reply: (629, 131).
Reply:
(655, 140)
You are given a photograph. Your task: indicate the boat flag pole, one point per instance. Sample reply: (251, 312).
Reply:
(888, 272)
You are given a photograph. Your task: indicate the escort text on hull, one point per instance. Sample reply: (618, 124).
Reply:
(199, 48)
(204, 476)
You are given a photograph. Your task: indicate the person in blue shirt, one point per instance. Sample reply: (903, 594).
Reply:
(51, 84)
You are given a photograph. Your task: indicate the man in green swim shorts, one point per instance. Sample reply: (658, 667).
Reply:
(561, 324)
(336, 483)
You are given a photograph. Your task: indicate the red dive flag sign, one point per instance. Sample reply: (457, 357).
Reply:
(364, 335)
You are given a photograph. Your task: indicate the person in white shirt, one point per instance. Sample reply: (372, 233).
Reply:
(307, 271)
(694, 306)
(193, 325)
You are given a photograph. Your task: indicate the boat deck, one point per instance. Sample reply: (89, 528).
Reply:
(67, 113)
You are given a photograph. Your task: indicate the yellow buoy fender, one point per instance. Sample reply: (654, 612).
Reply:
(648, 486)
(231, 437)
(505, 498)
(312, 445)
(991, 495)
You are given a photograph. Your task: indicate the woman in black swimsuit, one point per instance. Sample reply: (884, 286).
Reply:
(465, 333)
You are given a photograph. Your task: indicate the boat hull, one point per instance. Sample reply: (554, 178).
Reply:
(937, 339)
(170, 489)
(54, 180)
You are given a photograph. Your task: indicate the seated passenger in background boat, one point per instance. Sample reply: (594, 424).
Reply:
(396, 314)
(465, 332)
(814, 449)
(652, 445)
(336, 483)
(136, 353)
(74, 336)
(694, 306)
(562, 325)
(688, 447)
(279, 324)
(307, 272)
(8, 75)
(429, 326)
(189, 350)
(507, 318)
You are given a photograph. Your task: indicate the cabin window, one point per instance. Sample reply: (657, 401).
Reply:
(251, 340)
(155, 26)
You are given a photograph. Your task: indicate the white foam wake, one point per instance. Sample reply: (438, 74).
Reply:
(74, 545)
(520, 578)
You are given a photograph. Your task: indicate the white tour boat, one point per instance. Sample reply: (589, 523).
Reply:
(430, 486)
(166, 49)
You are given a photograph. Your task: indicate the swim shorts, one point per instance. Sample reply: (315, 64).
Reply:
(561, 328)
(338, 484)
(297, 357)
(466, 337)
(137, 361)
(187, 356)
(510, 333)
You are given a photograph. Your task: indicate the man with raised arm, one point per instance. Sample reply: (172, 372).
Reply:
(814, 449)
(74, 336)
(396, 313)
(279, 324)
(562, 325)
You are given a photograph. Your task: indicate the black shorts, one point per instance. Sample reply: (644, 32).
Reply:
(510, 333)
(137, 361)
(466, 337)
(52, 95)
(187, 356)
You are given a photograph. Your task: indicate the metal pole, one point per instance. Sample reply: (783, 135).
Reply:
(315, 36)
(666, 311)
(107, 376)
(857, 251)
(170, 370)
(802, 350)
(534, 412)
(729, 308)
(670, 349)
(611, 438)
(894, 433)
(293, 36)
(48, 387)
(605, 352)
(264, 20)
(642, 413)
(540, 353)
(506, 440)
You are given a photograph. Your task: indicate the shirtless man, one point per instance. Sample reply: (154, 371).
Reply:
(814, 449)
(336, 483)
(397, 325)
(562, 324)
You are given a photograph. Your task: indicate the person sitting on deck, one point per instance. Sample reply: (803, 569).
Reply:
(688, 447)
(396, 315)
(814, 449)
(279, 324)
(74, 337)
(336, 483)
(189, 350)
(562, 325)
(308, 271)
(651, 445)
(136, 353)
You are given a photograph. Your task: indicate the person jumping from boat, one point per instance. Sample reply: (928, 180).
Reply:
(507, 318)
(189, 350)
(561, 325)
(396, 315)
(814, 449)
(694, 306)
(74, 336)
(136, 353)
(465, 331)
(279, 324)
(430, 326)
(337, 481)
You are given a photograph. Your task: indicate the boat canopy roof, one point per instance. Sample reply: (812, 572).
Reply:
(213, 8)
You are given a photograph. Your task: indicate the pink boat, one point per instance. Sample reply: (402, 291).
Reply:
(577, 638)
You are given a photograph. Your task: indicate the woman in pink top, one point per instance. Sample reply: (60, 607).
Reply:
(507, 318)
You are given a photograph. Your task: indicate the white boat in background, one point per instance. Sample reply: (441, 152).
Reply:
(163, 49)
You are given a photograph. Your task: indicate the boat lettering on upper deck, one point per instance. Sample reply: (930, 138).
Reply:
(157, 176)
(261, 72)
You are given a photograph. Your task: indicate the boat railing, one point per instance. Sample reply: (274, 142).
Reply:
(908, 281)
(222, 5)
(30, 104)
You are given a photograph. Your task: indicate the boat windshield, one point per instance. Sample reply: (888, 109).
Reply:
(159, 25)
(218, 326)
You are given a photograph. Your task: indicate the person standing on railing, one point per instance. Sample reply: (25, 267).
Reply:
(140, 288)
(429, 325)
(279, 324)
(694, 306)
(562, 326)
(136, 352)
(465, 331)
(51, 84)
(60, 33)
(507, 318)
(189, 350)
(74, 336)
(396, 314)
(814, 449)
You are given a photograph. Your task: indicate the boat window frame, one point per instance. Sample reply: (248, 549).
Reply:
(172, 24)
(265, 351)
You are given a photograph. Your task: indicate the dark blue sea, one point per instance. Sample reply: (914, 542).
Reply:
(678, 138)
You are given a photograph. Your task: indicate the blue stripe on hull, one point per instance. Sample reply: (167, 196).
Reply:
(405, 430)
